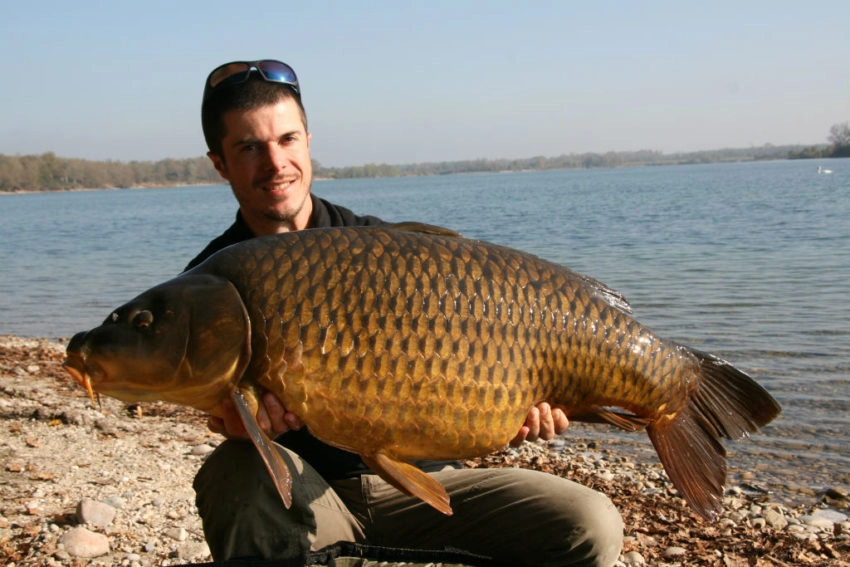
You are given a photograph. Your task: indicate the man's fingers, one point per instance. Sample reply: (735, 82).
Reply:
(561, 421)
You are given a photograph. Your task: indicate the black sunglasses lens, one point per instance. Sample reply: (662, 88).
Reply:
(278, 72)
(226, 72)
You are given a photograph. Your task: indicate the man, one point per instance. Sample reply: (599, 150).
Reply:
(256, 130)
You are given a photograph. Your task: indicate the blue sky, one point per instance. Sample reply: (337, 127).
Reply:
(404, 82)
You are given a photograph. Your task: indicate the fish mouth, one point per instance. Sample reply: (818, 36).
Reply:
(76, 366)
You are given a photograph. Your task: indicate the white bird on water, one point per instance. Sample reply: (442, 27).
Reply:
(822, 171)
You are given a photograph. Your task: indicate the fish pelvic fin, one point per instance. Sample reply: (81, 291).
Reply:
(612, 416)
(275, 464)
(727, 404)
(410, 480)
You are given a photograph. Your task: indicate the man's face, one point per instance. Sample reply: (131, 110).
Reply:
(266, 159)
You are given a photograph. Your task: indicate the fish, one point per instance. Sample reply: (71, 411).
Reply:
(410, 342)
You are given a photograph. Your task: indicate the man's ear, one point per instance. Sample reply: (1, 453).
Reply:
(218, 163)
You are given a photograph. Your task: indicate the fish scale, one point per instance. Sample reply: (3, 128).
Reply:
(410, 342)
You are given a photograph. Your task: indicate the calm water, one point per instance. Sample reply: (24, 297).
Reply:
(749, 261)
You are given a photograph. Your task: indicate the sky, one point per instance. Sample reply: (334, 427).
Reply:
(409, 82)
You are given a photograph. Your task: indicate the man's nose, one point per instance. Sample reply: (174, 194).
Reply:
(276, 157)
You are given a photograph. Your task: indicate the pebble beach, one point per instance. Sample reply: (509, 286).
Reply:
(112, 486)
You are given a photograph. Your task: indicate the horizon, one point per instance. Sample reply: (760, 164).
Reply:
(777, 147)
(440, 82)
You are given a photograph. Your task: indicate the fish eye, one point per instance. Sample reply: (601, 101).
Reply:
(143, 319)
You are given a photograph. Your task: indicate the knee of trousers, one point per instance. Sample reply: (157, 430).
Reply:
(240, 508)
(583, 523)
(232, 483)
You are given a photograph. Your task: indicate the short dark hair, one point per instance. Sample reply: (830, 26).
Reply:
(252, 93)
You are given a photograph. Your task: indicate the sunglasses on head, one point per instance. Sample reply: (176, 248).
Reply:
(238, 72)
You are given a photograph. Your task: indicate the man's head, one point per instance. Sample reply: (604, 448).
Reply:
(243, 85)
(256, 130)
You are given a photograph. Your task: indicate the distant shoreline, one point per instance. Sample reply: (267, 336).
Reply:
(47, 172)
(81, 189)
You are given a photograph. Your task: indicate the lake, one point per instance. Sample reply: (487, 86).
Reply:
(750, 261)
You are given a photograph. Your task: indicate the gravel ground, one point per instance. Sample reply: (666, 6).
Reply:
(113, 486)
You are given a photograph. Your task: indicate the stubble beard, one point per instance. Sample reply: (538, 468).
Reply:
(289, 217)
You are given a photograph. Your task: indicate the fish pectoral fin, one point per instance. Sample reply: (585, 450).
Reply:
(410, 480)
(622, 419)
(275, 464)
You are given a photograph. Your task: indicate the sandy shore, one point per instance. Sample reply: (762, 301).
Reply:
(73, 475)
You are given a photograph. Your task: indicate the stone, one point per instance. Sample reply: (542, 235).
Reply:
(194, 550)
(95, 513)
(177, 534)
(115, 501)
(775, 520)
(674, 551)
(81, 542)
(633, 559)
(831, 515)
(202, 449)
(818, 522)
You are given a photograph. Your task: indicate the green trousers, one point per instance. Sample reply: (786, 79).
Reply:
(515, 516)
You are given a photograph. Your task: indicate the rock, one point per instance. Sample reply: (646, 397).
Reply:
(831, 515)
(178, 534)
(838, 494)
(674, 551)
(818, 522)
(775, 520)
(115, 501)
(633, 559)
(95, 513)
(202, 449)
(193, 550)
(81, 542)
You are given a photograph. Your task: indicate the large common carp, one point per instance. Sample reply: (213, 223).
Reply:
(410, 342)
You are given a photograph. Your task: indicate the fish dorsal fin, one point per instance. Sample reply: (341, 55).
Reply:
(275, 464)
(609, 295)
(410, 480)
(411, 226)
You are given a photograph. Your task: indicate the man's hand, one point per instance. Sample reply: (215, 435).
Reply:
(542, 422)
(272, 418)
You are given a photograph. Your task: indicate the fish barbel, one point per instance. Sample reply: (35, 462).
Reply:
(411, 342)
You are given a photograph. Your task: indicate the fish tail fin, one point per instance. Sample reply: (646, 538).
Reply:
(726, 404)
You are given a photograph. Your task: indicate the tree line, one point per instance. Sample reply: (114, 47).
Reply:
(47, 172)
(839, 145)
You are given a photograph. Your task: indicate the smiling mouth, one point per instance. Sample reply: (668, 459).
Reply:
(278, 186)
